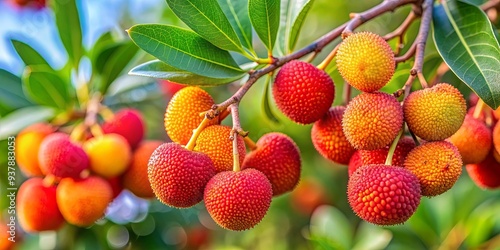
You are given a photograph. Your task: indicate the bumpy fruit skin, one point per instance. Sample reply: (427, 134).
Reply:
(135, 178)
(378, 156)
(382, 194)
(183, 113)
(37, 208)
(437, 165)
(473, 140)
(127, 123)
(60, 157)
(329, 139)
(366, 61)
(27, 146)
(435, 113)
(372, 120)
(303, 92)
(214, 141)
(109, 154)
(278, 158)
(178, 176)
(83, 201)
(485, 174)
(238, 200)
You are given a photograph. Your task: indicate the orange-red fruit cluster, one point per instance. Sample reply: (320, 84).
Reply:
(278, 158)
(329, 139)
(238, 200)
(303, 92)
(372, 120)
(383, 195)
(178, 176)
(28, 144)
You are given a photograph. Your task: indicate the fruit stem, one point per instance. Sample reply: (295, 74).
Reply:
(192, 141)
(346, 98)
(250, 143)
(106, 113)
(415, 139)
(236, 155)
(328, 59)
(479, 108)
(77, 133)
(390, 154)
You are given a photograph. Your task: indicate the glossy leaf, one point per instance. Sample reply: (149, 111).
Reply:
(207, 19)
(184, 49)
(46, 87)
(29, 55)
(327, 219)
(11, 93)
(237, 13)
(293, 13)
(21, 118)
(112, 61)
(161, 70)
(104, 41)
(265, 18)
(464, 38)
(266, 102)
(70, 31)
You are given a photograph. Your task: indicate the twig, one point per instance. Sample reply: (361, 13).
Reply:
(490, 5)
(400, 31)
(318, 45)
(442, 69)
(409, 54)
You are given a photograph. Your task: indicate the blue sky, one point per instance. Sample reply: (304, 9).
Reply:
(38, 29)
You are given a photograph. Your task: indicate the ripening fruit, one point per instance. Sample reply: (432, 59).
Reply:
(169, 88)
(37, 4)
(278, 158)
(60, 157)
(437, 166)
(354, 163)
(37, 208)
(383, 194)
(27, 146)
(116, 185)
(329, 139)
(366, 61)
(308, 195)
(496, 137)
(109, 154)
(485, 174)
(372, 120)
(178, 176)
(378, 156)
(214, 141)
(303, 92)
(83, 201)
(473, 140)
(8, 231)
(127, 123)
(238, 200)
(135, 178)
(435, 113)
(183, 113)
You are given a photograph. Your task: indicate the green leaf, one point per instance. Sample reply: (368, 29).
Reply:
(327, 219)
(70, 31)
(184, 49)
(104, 41)
(29, 55)
(465, 40)
(237, 13)
(266, 103)
(161, 70)
(293, 13)
(111, 62)
(265, 18)
(11, 93)
(21, 118)
(206, 18)
(46, 87)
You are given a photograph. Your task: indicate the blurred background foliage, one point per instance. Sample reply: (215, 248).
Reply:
(315, 216)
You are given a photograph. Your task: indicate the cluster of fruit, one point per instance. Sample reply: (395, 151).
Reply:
(75, 177)
(201, 164)
(387, 175)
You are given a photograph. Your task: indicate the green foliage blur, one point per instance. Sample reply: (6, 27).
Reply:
(466, 217)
